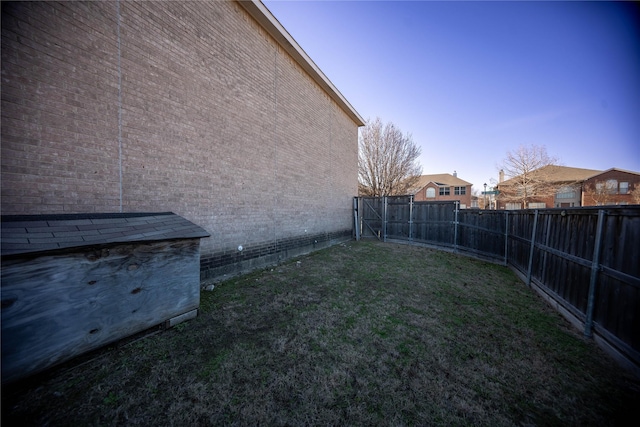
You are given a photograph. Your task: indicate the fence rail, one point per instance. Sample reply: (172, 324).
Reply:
(586, 261)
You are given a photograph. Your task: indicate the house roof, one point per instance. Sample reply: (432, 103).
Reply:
(23, 234)
(270, 23)
(613, 169)
(554, 173)
(438, 179)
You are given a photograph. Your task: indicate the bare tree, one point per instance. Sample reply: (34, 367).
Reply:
(481, 199)
(387, 160)
(635, 194)
(528, 172)
(602, 192)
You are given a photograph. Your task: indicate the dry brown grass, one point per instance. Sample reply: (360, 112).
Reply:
(359, 334)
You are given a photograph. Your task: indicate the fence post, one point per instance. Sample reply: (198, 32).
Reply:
(547, 236)
(410, 218)
(506, 237)
(384, 227)
(455, 228)
(533, 243)
(595, 268)
(356, 215)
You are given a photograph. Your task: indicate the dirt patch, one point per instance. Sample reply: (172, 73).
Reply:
(361, 333)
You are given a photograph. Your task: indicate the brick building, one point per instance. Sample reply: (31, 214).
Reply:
(612, 187)
(442, 187)
(547, 187)
(207, 109)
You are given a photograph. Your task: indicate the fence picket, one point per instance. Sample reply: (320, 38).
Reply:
(595, 266)
(533, 246)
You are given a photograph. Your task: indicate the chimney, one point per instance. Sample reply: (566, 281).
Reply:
(501, 176)
(455, 174)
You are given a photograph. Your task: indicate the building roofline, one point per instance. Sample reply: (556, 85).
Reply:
(613, 169)
(433, 178)
(422, 183)
(270, 23)
(574, 177)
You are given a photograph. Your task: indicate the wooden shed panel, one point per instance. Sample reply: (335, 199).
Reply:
(59, 306)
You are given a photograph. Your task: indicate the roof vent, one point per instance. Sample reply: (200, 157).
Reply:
(455, 174)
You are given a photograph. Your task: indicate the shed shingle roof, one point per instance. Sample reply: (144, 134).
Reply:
(37, 233)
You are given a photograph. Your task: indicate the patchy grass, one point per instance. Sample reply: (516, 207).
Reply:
(358, 334)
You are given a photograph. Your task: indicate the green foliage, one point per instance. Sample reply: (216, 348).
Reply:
(111, 399)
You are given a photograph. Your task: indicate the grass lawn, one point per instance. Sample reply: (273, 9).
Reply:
(362, 333)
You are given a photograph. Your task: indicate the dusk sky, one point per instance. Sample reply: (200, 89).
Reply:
(472, 80)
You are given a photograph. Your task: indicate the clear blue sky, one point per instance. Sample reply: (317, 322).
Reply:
(473, 80)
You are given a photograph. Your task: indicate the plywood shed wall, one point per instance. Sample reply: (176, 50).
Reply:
(74, 283)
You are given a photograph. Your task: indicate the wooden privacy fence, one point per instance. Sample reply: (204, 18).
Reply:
(585, 261)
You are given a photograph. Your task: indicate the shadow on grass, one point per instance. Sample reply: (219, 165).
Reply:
(362, 333)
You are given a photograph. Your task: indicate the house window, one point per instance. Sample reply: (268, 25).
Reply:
(624, 187)
(431, 193)
(459, 191)
(612, 186)
(566, 193)
(537, 205)
(445, 191)
(520, 190)
(512, 206)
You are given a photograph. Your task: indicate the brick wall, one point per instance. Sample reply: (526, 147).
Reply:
(59, 108)
(547, 200)
(591, 197)
(190, 107)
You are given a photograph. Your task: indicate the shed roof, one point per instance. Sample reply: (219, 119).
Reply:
(270, 23)
(23, 234)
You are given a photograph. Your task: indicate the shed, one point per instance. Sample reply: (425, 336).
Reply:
(73, 283)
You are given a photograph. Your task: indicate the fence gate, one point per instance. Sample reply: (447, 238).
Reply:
(399, 217)
(371, 217)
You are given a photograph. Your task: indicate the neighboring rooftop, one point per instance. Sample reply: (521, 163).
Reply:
(439, 179)
(614, 169)
(37, 233)
(553, 173)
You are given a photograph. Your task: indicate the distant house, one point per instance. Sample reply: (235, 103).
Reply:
(611, 187)
(547, 187)
(442, 187)
(475, 202)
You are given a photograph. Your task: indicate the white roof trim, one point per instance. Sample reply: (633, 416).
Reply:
(265, 18)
